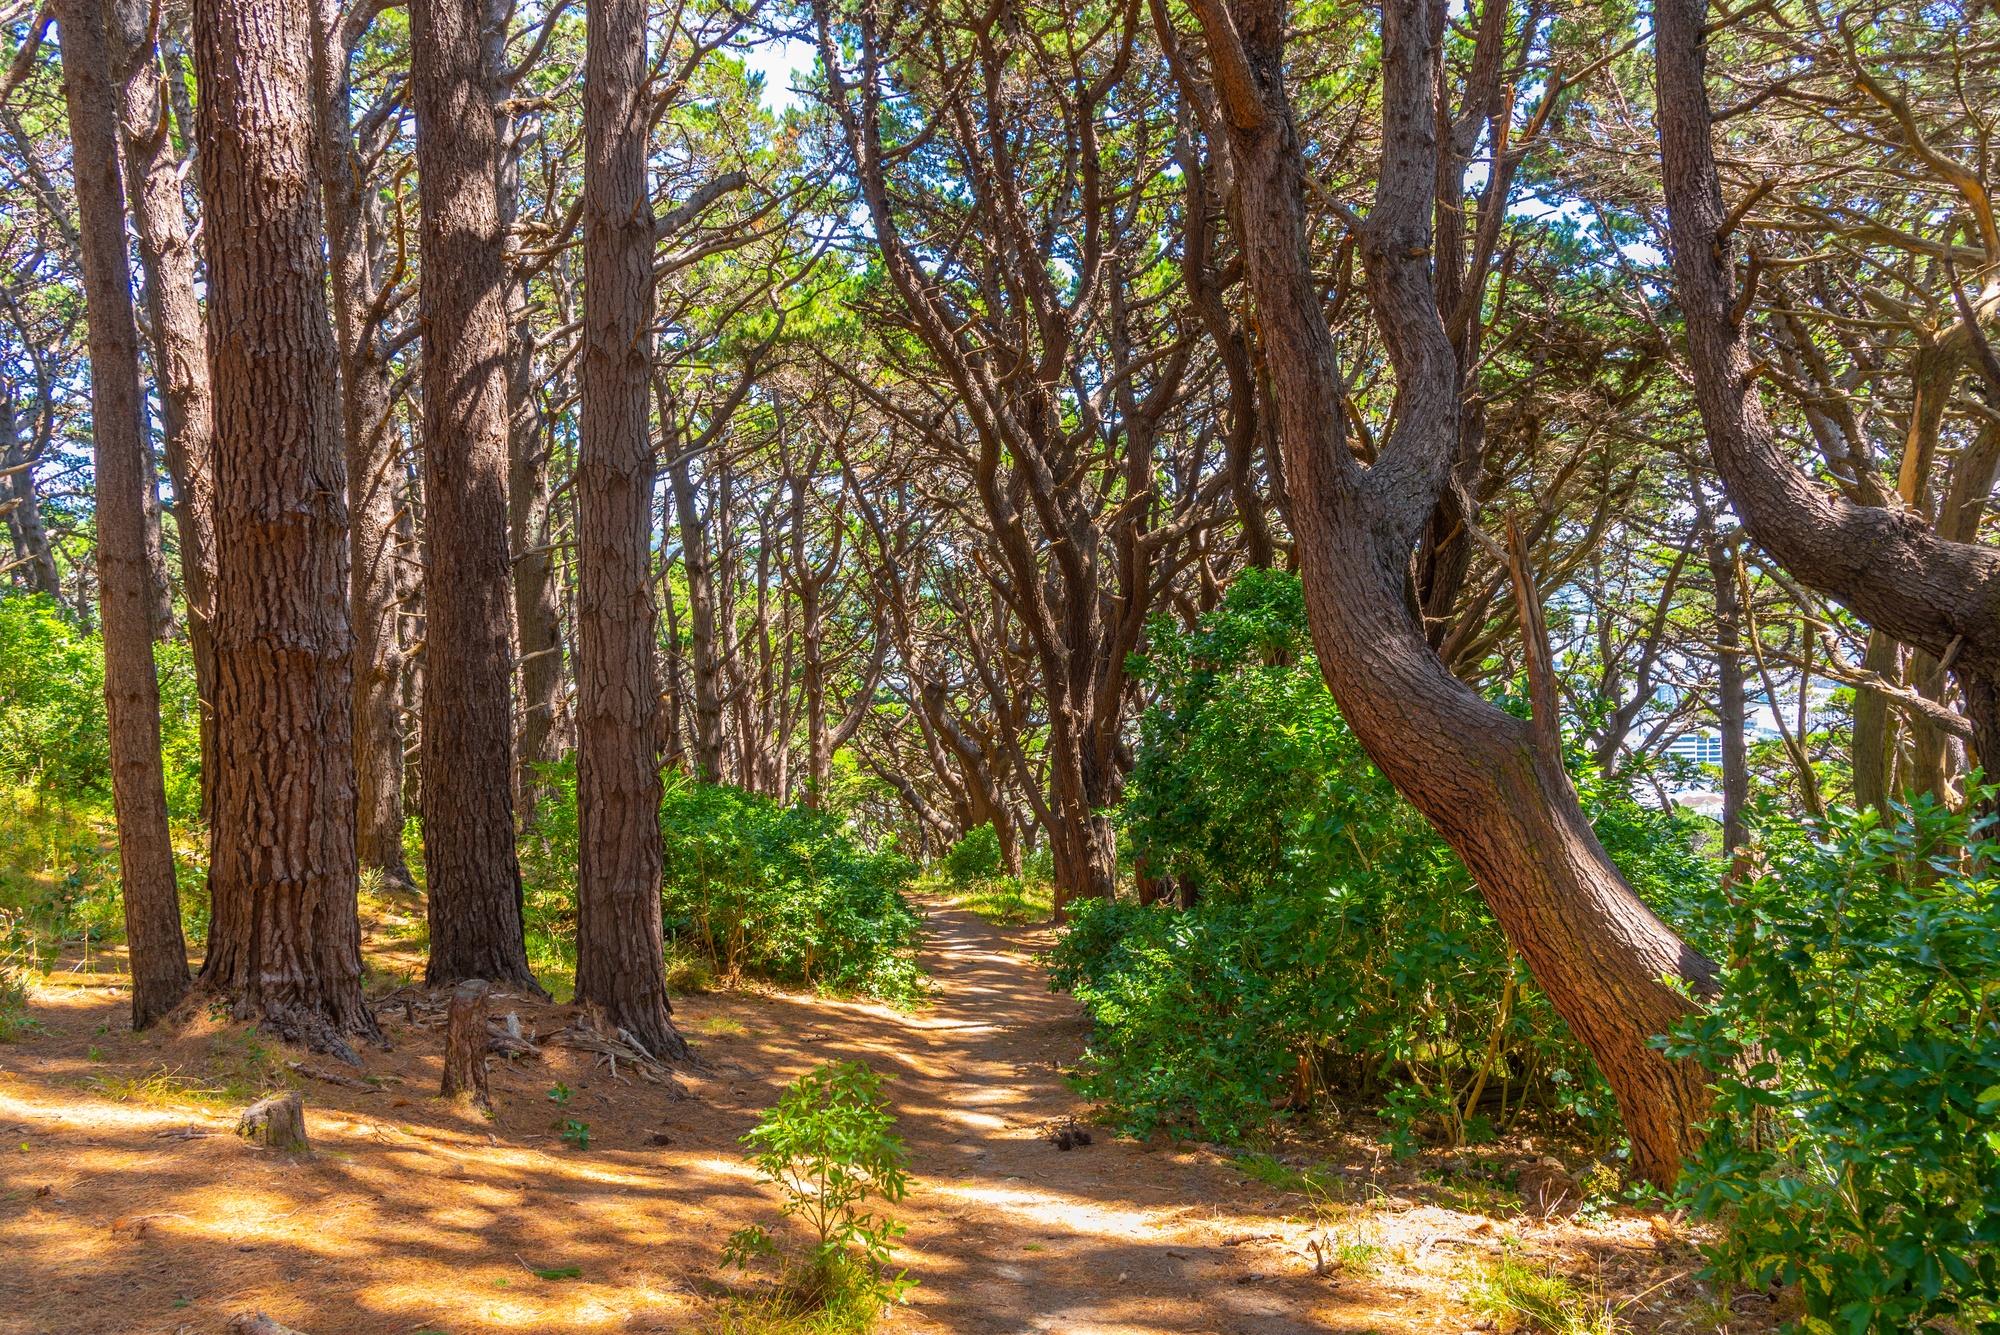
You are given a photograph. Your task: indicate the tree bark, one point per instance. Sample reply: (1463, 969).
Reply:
(157, 949)
(179, 361)
(1495, 789)
(472, 877)
(706, 670)
(1908, 582)
(465, 1044)
(620, 961)
(374, 469)
(284, 937)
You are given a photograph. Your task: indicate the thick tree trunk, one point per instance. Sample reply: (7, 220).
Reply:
(180, 361)
(157, 949)
(471, 875)
(1494, 787)
(284, 939)
(374, 469)
(1916, 586)
(620, 963)
(1874, 750)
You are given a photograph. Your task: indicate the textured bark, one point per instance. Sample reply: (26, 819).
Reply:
(354, 231)
(620, 964)
(32, 552)
(465, 1044)
(1917, 586)
(706, 667)
(1874, 749)
(472, 877)
(1496, 793)
(277, 1122)
(284, 938)
(180, 362)
(153, 936)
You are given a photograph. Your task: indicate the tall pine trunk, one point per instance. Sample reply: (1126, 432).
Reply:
(284, 938)
(153, 937)
(620, 964)
(471, 874)
(374, 469)
(180, 362)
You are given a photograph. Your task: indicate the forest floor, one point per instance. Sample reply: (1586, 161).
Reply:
(126, 1204)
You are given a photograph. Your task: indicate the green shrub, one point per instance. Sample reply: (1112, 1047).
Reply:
(1337, 939)
(975, 858)
(1855, 1145)
(827, 1147)
(786, 893)
(750, 888)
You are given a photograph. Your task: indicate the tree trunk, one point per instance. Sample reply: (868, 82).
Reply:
(465, 1044)
(284, 938)
(706, 669)
(471, 874)
(180, 362)
(1730, 704)
(1874, 749)
(620, 963)
(1493, 785)
(1916, 586)
(158, 951)
(32, 552)
(374, 468)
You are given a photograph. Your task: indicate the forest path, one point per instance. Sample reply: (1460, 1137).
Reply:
(126, 1206)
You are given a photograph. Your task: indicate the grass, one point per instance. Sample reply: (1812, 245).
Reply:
(1263, 1168)
(1520, 1296)
(1009, 901)
(722, 1026)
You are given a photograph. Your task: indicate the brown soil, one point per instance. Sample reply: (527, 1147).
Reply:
(126, 1206)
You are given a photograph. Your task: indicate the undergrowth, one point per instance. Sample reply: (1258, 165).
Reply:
(1518, 1296)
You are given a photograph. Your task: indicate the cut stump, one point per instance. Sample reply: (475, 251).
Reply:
(256, 1323)
(277, 1123)
(465, 1040)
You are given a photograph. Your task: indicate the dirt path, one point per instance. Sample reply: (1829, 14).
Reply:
(126, 1205)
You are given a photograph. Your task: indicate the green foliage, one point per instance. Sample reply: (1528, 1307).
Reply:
(1517, 1295)
(1337, 938)
(974, 858)
(786, 893)
(576, 1133)
(828, 1148)
(1855, 1145)
(750, 887)
(53, 737)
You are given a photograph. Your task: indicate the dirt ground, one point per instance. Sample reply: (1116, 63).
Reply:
(127, 1205)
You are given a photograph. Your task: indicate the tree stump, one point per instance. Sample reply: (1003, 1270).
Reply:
(256, 1323)
(277, 1123)
(465, 1044)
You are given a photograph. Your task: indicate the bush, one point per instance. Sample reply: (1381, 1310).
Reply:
(975, 858)
(1337, 939)
(786, 893)
(1855, 1145)
(827, 1147)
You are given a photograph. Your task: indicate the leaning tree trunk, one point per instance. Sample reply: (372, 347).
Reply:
(180, 361)
(1493, 785)
(1914, 585)
(374, 468)
(153, 937)
(619, 959)
(471, 875)
(284, 939)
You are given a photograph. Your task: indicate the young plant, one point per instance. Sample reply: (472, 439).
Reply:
(827, 1146)
(576, 1133)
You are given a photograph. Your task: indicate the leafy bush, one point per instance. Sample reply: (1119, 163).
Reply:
(827, 1147)
(974, 858)
(1855, 1145)
(54, 740)
(750, 887)
(1337, 939)
(786, 893)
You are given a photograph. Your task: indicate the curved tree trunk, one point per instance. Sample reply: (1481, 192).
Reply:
(471, 875)
(158, 950)
(284, 938)
(1908, 582)
(620, 963)
(1492, 785)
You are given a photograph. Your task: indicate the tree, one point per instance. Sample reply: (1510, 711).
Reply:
(131, 690)
(472, 877)
(284, 938)
(620, 962)
(1493, 785)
